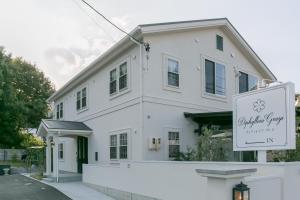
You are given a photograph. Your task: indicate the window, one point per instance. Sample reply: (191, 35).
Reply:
(81, 99)
(118, 80)
(113, 147)
(219, 42)
(96, 156)
(123, 146)
(61, 151)
(119, 146)
(247, 82)
(123, 76)
(113, 81)
(214, 78)
(59, 111)
(173, 73)
(174, 146)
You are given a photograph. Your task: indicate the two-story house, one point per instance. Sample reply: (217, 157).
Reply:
(142, 102)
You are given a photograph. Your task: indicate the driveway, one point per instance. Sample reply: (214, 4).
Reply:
(18, 187)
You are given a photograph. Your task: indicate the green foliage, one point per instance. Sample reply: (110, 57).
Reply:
(14, 158)
(28, 140)
(210, 149)
(23, 93)
(189, 155)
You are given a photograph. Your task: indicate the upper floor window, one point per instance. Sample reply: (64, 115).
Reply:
(81, 99)
(60, 110)
(219, 42)
(247, 82)
(173, 72)
(118, 79)
(214, 78)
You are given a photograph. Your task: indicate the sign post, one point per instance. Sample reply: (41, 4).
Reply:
(265, 120)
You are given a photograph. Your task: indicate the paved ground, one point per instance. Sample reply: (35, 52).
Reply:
(18, 187)
(79, 191)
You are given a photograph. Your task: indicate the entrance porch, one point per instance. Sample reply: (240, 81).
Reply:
(66, 148)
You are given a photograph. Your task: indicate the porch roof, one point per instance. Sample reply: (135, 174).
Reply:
(216, 118)
(63, 128)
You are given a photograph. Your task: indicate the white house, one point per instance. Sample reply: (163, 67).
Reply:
(139, 102)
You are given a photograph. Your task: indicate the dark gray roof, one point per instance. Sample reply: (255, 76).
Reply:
(65, 125)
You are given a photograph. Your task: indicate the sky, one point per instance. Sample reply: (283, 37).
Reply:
(63, 36)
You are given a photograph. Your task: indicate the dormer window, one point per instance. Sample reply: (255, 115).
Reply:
(81, 99)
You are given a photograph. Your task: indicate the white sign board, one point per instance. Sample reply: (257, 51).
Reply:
(265, 119)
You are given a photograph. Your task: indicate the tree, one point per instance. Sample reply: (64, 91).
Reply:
(23, 93)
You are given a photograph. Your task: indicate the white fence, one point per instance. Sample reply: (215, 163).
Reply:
(8, 154)
(179, 180)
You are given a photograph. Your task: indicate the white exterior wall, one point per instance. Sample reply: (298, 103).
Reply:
(163, 108)
(69, 161)
(179, 180)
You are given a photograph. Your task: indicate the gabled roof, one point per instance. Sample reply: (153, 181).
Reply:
(144, 29)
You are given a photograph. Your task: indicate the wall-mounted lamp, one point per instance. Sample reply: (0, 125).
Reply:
(241, 192)
(52, 143)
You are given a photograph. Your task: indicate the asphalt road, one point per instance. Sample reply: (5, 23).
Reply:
(18, 187)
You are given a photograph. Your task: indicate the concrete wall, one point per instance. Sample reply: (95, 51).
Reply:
(179, 180)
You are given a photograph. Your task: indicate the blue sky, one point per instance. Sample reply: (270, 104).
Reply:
(63, 36)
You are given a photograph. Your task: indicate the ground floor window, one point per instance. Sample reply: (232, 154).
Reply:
(119, 146)
(174, 146)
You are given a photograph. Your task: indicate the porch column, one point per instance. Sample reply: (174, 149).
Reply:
(55, 157)
(48, 156)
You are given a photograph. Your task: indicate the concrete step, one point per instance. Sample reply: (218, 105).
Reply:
(63, 178)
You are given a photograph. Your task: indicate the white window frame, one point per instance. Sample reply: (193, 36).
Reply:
(208, 95)
(166, 131)
(165, 69)
(118, 134)
(63, 151)
(57, 110)
(237, 82)
(117, 68)
(81, 109)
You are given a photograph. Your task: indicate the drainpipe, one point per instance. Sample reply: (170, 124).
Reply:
(57, 161)
(141, 86)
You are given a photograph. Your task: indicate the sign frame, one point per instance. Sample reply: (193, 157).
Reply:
(290, 123)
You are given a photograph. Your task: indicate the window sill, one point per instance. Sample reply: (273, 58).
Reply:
(120, 93)
(82, 110)
(215, 97)
(172, 88)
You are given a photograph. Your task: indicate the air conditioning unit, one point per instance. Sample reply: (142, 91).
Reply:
(154, 143)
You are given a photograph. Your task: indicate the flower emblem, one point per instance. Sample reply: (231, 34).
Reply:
(259, 105)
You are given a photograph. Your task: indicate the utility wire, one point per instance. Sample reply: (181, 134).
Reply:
(120, 29)
(95, 22)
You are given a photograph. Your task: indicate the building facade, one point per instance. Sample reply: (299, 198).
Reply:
(129, 104)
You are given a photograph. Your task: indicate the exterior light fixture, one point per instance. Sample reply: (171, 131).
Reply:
(241, 192)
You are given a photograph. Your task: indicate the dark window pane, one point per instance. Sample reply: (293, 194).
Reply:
(57, 111)
(83, 102)
(243, 82)
(123, 82)
(173, 151)
(209, 76)
(78, 100)
(61, 110)
(113, 152)
(220, 79)
(113, 87)
(173, 79)
(252, 82)
(219, 42)
(123, 152)
(96, 156)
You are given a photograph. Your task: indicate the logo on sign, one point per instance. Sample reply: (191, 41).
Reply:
(259, 105)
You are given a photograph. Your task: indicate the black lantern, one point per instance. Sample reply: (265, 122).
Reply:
(241, 192)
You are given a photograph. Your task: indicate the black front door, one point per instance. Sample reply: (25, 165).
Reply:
(51, 158)
(82, 152)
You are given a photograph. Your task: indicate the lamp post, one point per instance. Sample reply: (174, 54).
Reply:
(241, 192)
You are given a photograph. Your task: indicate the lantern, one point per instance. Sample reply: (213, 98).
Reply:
(241, 192)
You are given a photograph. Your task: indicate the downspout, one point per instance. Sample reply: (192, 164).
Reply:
(57, 161)
(141, 88)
